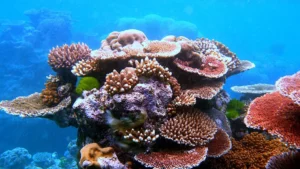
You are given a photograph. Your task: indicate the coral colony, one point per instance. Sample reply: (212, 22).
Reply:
(159, 104)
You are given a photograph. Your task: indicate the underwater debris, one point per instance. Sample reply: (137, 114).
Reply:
(277, 113)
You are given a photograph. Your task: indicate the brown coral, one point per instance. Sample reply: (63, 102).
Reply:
(84, 67)
(253, 152)
(173, 159)
(121, 82)
(220, 145)
(50, 95)
(190, 127)
(90, 153)
(143, 136)
(32, 106)
(289, 86)
(66, 56)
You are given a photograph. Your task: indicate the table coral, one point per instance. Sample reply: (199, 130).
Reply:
(278, 112)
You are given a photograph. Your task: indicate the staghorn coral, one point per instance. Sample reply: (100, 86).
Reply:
(121, 82)
(144, 136)
(189, 127)
(66, 56)
(277, 114)
(84, 67)
(290, 160)
(253, 151)
(32, 106)
(150, 67)
(173, 159)
(94, 156)
(289, 86)
(185, 100)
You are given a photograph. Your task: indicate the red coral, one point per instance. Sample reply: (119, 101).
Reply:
(277, 114)
(220, 145)
(289, 86)
(173, 159)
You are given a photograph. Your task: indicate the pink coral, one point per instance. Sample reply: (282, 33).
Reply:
(278, 115)
(289, 86)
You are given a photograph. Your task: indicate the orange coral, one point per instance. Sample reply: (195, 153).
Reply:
(252, 152)
(49, 95)
(220, 145)
(90, 153)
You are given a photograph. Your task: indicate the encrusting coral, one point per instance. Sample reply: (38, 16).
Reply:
(278, 114)
(94, 156)
(253, 151)
(151, 102)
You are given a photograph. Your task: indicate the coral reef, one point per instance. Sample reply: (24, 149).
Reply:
(253, 151)
(43, 159)
(160, 104)
(277, 113)
(290, 160)
(17, 158)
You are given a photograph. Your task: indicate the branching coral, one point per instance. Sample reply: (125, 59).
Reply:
(185, 100)
(190, 127)
(84, 67)
(121, 82)
(50, 95)
(66, 56)
(173, 159)
(253, 151)
(144, 136)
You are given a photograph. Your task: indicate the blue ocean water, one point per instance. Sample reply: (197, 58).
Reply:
(265, 32)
